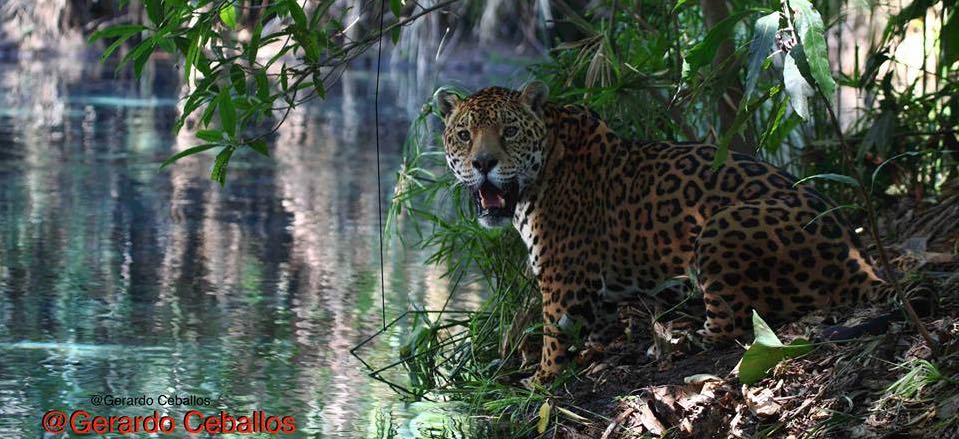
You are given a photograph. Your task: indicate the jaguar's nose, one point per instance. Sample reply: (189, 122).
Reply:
(484, 163)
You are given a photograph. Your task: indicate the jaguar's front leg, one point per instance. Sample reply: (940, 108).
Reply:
(571, 303)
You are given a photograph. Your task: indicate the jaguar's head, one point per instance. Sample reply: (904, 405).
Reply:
(496, 145)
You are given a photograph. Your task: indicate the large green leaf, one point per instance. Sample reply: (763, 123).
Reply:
(228, 15)
(120, 30)
(227, 111)
(254, 45)
(764, 37)
(812, 36)
(396, 6)
(191, 54)
(218, 174)
(154, 11)
(214, 136)
(238, 78)
(139, 55)
(743, 114)
(187, 152)
(778, 127)
(115, 45)
(949, 36)
(703, 52)
(797, 88)
(262, 86)
(260, 147)
(766, 352)
(307, 40)
(299, 17)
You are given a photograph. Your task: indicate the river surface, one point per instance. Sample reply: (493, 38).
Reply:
(118, 279)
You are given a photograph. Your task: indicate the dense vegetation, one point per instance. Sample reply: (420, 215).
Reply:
(894, 138)
(866, 106)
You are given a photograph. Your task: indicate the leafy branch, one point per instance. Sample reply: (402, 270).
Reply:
(812, 48)
(245, 78)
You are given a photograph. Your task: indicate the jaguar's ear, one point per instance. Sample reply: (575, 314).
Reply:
(535, 94)
(446, 101)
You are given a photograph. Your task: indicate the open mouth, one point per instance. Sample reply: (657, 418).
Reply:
(491, 200)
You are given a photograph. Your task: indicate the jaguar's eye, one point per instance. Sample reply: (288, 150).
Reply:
(464, 135)
(510, 131)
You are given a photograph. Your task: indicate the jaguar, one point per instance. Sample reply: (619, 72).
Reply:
(605, 218)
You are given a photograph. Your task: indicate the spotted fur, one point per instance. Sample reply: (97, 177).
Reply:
(605, 218)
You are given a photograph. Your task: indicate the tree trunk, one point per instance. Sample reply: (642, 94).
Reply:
(715, 11)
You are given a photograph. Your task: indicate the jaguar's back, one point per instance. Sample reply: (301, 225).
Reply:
(756, 240)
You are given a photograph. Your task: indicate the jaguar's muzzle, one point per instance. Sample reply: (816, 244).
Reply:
(494, 204)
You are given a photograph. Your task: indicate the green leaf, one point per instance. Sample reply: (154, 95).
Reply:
(949, 37)
(120, 30)
(703, 52)
(238, 78)
(210, 135)
(766, 352)
(309, 44)
(154, 11)
(113, 47)
(187, 152)
(201, 63)
(260, 147)
(812, 36)
(743, 114)
(679, 4)
(764, 37)
(284, 81)
(797, 88)
(210, 111)
(299, 17)
(780, 127)
(396, 7)
(228, 15)
(395, 34)
(167, 45)
(254, 46)
(141, 54)
(227, 112)
(318, 85)
(193, 102)
(262, 86)
(191, 54)
(201, 93)
(838, 178)
(763, 333)
(218, 174)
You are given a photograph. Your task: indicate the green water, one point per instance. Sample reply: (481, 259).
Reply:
(118, 279)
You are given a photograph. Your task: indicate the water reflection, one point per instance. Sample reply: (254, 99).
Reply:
(116, 278)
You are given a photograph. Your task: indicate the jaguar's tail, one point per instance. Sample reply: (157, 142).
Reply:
(920, 294)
